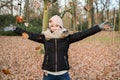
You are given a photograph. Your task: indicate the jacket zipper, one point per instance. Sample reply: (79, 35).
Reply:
(65, 60)
(46, 60)
(55, 54)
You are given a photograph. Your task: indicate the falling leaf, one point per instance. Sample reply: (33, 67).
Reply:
(87, 7)
(25, 35)
(6, 71)
(37, 48)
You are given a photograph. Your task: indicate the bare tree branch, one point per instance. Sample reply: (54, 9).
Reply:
(67, 10)
(6, 3)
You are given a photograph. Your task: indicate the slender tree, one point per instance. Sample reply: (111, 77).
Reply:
(20, 6)
(102, 10)
(97, 17)
(11, 7)
(45, 15)
(114, 17)
(27, 10)
(119, 16)
(107, 7)
(54, 9)
(74, 20)
(90, 9)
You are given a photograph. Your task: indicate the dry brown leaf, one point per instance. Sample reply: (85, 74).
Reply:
(37, 48)
(6, 71)
(25, 35)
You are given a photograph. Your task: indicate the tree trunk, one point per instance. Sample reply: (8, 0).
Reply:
(54, 10)
(107, 14)
(119, 18)
(114, 17)
(74, 15)
(20, 10)
(27, 10)
(11, 7)
(107, 6)
(97, 17)
(45, 16)
(102, 15)
(90, 14)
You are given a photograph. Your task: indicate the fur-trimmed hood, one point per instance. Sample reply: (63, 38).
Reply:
(57, 34)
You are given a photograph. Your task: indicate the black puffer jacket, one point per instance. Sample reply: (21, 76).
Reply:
(56, 50)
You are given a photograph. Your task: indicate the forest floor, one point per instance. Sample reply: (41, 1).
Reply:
(94, 58)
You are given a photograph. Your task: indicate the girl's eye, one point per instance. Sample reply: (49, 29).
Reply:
(57, 25)
(51, 25)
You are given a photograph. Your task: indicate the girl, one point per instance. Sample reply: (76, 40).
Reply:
(56, 40)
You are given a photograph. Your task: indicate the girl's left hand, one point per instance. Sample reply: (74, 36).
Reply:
(106, 26)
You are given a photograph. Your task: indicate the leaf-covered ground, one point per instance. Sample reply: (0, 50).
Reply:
(94, 58)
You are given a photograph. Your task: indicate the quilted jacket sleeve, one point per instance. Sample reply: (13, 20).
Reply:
(81, 35)
(32, 36)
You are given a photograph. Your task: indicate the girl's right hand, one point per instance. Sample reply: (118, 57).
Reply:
(25, 35)
(10, 28)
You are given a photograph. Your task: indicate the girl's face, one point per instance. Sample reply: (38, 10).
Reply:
(53, 26)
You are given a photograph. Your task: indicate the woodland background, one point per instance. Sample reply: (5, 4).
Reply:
(94, 58)
(77, 15)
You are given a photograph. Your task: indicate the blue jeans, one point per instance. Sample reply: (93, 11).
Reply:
(57, 77)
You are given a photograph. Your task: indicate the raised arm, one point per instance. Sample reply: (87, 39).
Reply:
(81, 35)
(32, 36)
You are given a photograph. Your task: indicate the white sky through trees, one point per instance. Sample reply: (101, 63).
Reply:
(114, 4)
